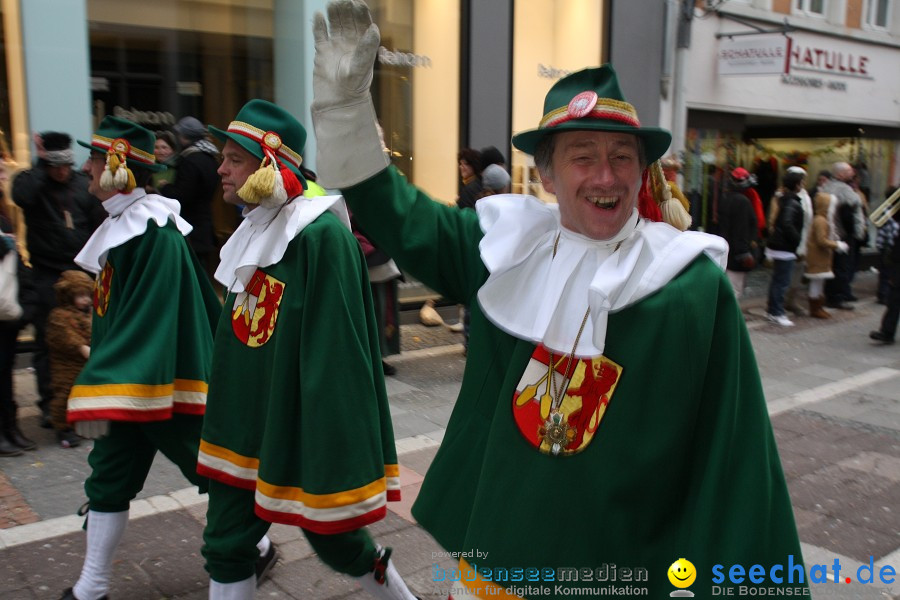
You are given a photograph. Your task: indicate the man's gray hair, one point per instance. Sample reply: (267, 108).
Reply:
(842, 170)
(543, 153)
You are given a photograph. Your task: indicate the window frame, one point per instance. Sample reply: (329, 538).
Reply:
(802, 7)
(870, 7)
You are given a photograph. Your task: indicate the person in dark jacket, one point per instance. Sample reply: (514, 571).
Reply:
(60, 216)
(12, 441)
(782, 246)
(196, 182)
(469, 178)
(736, 222)
(885, 334)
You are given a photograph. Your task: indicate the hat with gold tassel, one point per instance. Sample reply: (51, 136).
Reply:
(592, 100)
(274, 136)
(126, 145)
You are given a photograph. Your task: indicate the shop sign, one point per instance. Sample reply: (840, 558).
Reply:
(145, 117)
(813, 82)
(829, 61)
(396, 58)
(754, 55)
(550, 72)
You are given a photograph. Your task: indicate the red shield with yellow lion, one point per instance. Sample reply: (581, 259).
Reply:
(255, 310)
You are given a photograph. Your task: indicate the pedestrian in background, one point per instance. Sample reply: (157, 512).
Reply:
(821, 244)
(166, 151)
(790, 298)
(469, 177)
(494, 180)
(17, 305)
(60, 216)
(884, 241)
(69, 344)
(849, 227)
(781, 248)
(195, 185)
(888, 330)
(736, 222)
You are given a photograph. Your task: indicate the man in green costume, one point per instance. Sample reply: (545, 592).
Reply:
(298, 428)
(611, 416)
(144, 386)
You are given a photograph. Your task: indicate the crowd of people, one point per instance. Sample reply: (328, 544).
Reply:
(275, 403)
(815, 235)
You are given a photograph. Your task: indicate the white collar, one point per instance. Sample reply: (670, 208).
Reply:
(128, 217)
(535, 296)
(263, 236)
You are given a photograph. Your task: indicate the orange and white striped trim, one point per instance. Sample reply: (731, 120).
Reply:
(137, 154)
(266, 139)
(605, 108)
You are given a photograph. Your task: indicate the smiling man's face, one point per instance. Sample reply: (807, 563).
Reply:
(596, 176)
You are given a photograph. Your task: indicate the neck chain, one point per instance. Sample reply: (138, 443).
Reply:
(551, 403)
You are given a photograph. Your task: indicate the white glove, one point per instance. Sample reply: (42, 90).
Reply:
(92, 430)
(348, 146)
(842, 247)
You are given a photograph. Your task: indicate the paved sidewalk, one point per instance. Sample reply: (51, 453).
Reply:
(834, 399)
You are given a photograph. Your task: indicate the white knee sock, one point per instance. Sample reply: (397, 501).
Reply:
(263, 545)
(239, 590)
(391, 588)
(104, 532)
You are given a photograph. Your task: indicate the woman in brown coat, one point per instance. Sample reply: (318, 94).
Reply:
(820, 247)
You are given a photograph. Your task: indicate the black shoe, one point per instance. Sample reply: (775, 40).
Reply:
(388, 369)
(880, 336)
(68, 438)
(70, 595)
(16, 436)
(852, 298)
(265, 563)
(839, 305)
(7, 448)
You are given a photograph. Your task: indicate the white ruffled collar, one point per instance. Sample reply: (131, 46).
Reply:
(535, 296)
(263, 236)
(128, 217)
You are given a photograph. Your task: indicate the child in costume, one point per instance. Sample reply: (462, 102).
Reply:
(69, 345)
(297, 429)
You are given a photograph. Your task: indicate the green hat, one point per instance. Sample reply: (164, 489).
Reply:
(591, 100)
(127, 138)
(261, 124)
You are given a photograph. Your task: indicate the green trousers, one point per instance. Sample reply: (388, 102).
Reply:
(121, 460)
(233, 530)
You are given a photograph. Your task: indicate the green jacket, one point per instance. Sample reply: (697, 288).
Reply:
(684, 463)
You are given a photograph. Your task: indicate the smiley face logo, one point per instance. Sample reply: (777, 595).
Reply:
(682, 573)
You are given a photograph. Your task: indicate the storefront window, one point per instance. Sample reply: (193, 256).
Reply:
(416, 89)
(552, 38)
(4, 95)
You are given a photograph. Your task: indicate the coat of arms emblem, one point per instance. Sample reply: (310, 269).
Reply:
(255, 309)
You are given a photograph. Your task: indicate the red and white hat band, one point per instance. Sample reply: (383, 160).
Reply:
(587, 105)
(269, 141)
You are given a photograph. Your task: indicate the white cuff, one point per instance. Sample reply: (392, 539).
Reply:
(349, 149)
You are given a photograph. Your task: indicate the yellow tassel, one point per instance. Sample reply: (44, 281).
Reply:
(120, 177)
(131, 183)
(112, 161)
(259, 185)
(279, 194)
(674, 212)
(106, 180)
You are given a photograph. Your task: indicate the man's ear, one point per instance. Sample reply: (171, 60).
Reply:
(547, 182)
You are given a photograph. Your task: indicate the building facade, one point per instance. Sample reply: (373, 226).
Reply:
(772, 83)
